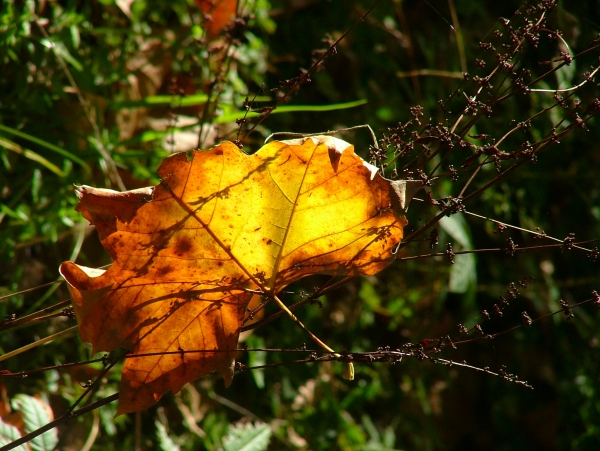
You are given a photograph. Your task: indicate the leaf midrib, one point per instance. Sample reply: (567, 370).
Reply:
(291, 217)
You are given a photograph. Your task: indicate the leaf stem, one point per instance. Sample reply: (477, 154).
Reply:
(348, 370)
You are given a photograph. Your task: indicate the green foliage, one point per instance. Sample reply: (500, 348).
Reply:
(463, 275)
(8, 434)
(35, 414)
(165, 443)
(247, 437)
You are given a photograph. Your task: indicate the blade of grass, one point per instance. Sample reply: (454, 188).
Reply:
(61, 50)
(291, 109)
(31, 155)
(5, 210)
(47, 145)
(153, 135)
(158, 101)
(171, 101)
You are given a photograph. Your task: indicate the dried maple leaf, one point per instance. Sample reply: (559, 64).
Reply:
(189, 253)
(220, 14)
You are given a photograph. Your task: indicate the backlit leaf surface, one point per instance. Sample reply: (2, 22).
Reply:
(220, 223)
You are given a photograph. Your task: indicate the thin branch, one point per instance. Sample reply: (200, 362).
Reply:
(537, 234)
(37, 343)
(430, 73)
(496, 249)
(573, 88)
(233, 406)
(29, 290)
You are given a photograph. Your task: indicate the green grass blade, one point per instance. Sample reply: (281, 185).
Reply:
(62, 51)
(47, 145)
(231, 117)
(158, 101)
(171, 101)
(5, 210)
(10, 145)
(148, 136)
(153, 135)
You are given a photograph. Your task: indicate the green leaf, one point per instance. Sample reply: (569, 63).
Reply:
(9, 434)
(463, 274)
(352, 435)
(370, 429)
(164, 441)
(456, 227)
(257, 359)
(247, 437)
(35, 415)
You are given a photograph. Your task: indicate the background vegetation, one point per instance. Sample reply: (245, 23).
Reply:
(98, 93)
